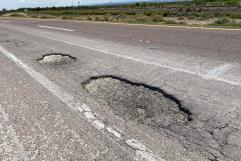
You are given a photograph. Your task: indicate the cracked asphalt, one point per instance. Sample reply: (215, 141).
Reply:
(199, 68)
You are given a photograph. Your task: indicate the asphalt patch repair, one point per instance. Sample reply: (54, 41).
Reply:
(134, 101)
(56, 59)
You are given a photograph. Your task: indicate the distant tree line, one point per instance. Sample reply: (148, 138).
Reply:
(3, 11)
(217, 2)
(134, 5)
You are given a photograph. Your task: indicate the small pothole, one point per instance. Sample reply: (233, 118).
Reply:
(145, 104)
(56, 59)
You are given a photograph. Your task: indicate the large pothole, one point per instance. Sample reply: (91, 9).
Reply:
(154, 107)
(56, 59)
(139, 102)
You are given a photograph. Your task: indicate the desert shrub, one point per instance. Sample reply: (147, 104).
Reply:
(219, 14)
(121, 16)
(131, 21)
(130, 13)
(106, 18)
(165, 13)
(150, 13)
(45, 16)
(157, 19)
(191, 17)
(97, 19)
(89, 18)
(115, 13)
(172, 14)
(67, 17)
(142, 19)
(201, 18)
(181, 18)
(226, 22)
(18, 15)
(34, 16)
(170, 22)
(67, 13)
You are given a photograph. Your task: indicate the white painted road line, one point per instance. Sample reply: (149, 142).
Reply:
(5, 21)
(56, 28)
(20, 153)
(142, 153)
(218, 71)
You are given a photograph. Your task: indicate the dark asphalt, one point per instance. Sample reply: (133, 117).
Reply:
(215, 44)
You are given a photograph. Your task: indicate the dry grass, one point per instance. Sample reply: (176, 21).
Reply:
(184, 17)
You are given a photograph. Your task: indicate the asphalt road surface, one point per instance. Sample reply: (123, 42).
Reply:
(118, 92)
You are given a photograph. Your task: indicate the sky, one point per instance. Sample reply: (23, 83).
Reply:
(13, 4)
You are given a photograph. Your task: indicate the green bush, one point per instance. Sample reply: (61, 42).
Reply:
(165, 13)
(222, 21)
(235, 15)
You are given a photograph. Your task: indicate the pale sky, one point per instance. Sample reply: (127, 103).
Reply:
(13, 4)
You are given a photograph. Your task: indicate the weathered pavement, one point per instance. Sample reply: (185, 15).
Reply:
(44, 107)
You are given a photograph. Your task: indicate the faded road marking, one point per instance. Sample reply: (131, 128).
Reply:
(18, 153)
(142, 153)
(114, 132)
(218, 71)
(203, 76)
(78, 106)
(164, 25)
(144, 25)
(56, 28)
(5, 21)
(207, 77)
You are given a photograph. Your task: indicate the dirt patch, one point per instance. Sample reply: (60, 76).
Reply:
(139, 102)
(56, 59)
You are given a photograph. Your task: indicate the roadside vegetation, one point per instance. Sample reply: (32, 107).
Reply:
(224, 13)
